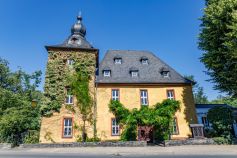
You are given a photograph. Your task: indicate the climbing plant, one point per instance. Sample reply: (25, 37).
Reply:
(55, 82)
(56, 78)
(79, 81)
(159, 116)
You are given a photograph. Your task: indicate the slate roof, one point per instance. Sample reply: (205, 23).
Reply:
(77, 38)
(120, 73)
(74, 41)
(211, 105)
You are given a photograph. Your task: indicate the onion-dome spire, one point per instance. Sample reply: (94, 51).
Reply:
(77, 38)
(78, 28)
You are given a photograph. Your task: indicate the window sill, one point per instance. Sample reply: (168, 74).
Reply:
(67, 137)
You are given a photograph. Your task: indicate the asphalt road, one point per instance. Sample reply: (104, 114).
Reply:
(124, 152)
(109, 156)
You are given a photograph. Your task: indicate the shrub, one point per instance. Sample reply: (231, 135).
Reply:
(79, 139)
(32, 138)
(210, 133)
(222, 140)
(221, 119)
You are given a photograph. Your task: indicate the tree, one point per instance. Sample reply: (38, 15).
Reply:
(17, 116)
(79, 85)
(221, 119)
(218, 41)
(225, 100)
(198, 92)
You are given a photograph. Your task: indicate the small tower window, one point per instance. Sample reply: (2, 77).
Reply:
(67, 127)
(69, 96)
(70, 62)
(118, 60)
(107, 73)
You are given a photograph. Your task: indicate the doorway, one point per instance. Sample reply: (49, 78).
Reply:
(145, 133)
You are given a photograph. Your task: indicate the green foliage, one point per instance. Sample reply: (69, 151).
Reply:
(225, 100)
(222, 140)
(210, 133)
(55, 83)
(17, 116)
(221, 119)
(198, 92)
(79, 84)
(94, 139)
(218, 41)
(159, 116)
(32, 137)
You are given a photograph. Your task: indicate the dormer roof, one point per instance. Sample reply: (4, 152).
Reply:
(132, 61)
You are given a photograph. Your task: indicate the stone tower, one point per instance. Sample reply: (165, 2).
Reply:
(58, 120)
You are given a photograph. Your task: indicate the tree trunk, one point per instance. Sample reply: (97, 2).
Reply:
(84, 131)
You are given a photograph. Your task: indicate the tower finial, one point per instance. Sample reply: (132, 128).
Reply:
(78, 27)
(79, 17)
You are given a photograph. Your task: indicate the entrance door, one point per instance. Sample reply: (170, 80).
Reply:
(145, 133)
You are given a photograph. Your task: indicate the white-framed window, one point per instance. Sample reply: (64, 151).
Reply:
(144, 97)
(170, 94)
(144, 61)
(70, 62)
(67, 127)
(107, 73)
(115, 127)
(69, 96)
(134, 73)
(165, 74)
(115, 94)
(118, 60)
(175, 129)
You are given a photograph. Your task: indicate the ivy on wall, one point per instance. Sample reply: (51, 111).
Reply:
(79, 83)
(56, 77)
(159, 116)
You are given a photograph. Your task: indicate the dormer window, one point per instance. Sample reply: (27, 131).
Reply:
(107, 73)
(118, 60)
(134, 73)
(144, 60)
(165, 72)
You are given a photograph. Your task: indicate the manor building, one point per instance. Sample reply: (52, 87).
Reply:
(135, 78)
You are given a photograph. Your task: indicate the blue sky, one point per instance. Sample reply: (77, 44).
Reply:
(167, 28)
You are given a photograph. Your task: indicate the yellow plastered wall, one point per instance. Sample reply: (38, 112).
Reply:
(52, 127)
(130, 98)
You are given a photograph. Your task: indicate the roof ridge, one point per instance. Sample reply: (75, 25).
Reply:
(130, 50)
